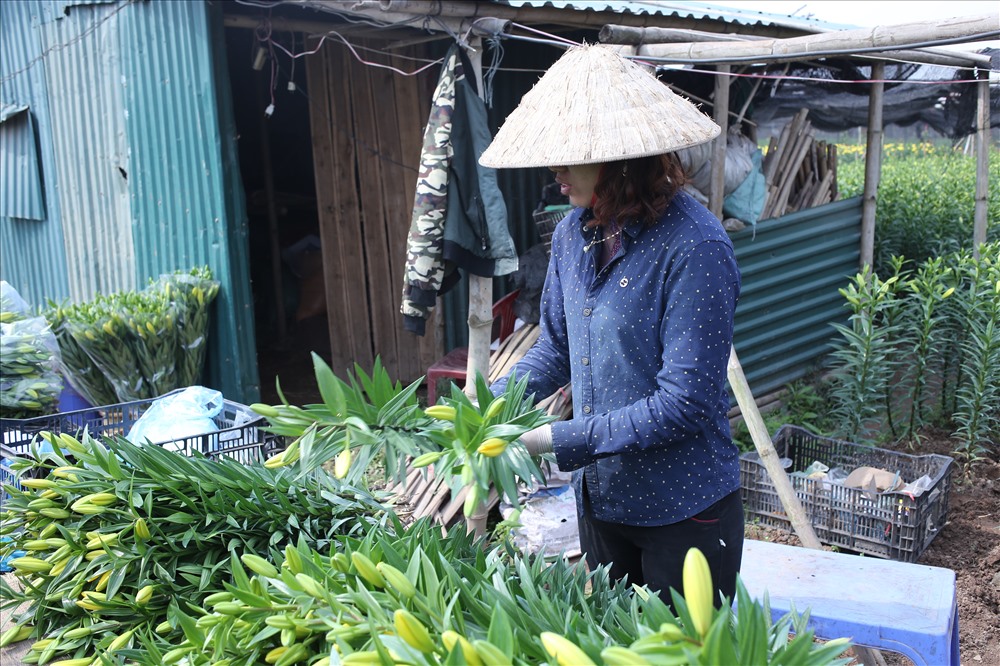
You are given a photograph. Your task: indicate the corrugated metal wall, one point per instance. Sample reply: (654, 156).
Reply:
(138, 157)
(32, 256)
(84, 81)
(186, 209)
(792, 267)
(21, 194)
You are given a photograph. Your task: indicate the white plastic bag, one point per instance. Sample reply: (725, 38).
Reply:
(177, 417)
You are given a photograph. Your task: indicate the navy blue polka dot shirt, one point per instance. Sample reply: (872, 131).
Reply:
(645, 342)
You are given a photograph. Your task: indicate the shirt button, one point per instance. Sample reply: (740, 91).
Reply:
(586, 409)
(586, 312)
(585, 360)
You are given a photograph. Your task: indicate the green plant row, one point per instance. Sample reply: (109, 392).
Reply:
(926, 201)
(922, 346)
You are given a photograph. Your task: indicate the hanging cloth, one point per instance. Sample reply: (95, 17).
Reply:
(459, 216)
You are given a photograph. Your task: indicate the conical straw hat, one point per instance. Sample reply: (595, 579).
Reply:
(594, 105)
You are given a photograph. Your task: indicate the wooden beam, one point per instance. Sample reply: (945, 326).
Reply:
(720, 102)
(873, 166)
(315, 29)
(634, 35)
(626, 34)
(982, 161)
(839, 42)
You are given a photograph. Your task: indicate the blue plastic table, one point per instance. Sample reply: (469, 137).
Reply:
(898, 606)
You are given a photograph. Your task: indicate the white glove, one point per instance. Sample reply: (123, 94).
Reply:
(538, 441)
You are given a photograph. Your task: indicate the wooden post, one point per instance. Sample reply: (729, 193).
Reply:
(762, 441)
(480, 315)
(720, 111)
(982, 160)
(873, 166)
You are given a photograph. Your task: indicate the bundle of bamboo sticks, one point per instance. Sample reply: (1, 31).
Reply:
(800, 171)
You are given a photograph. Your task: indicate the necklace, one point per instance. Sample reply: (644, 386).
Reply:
(601, 240)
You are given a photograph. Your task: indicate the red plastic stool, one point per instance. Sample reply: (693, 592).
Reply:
(454, 364)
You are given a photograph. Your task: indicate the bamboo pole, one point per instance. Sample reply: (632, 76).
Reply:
(982, 161)
(839, 42)
(720, 110)
(626, 34)
(480, 315)
(762, 441)
(873, 166)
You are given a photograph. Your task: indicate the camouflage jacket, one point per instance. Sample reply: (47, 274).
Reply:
(459, 216)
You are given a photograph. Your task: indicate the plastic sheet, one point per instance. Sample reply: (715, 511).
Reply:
(179, 416)
(30, 382)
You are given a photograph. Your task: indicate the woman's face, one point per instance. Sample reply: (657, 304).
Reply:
(578, 182)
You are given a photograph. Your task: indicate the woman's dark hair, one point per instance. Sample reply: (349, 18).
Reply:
(636, 189)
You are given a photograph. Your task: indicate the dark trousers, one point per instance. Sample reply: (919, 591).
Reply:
(654, 556)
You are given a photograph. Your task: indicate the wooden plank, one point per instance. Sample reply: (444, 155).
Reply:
(832, 155)
(512, 350)
(347, 303)
(432, 502)
(450, 513)
(447, 515)
(376, 268)
(333, 159)
(398, 207)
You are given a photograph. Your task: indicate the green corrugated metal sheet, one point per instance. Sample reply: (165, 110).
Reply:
(84, 80)
(32, 257)
(21, 188)
(186, 206)
(792, 269)
(138, 160)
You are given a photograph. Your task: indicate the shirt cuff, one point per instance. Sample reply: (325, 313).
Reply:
(570, 446)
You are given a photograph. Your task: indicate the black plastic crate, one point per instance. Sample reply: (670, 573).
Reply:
(240, 435)
(546, 221)
(892, 525)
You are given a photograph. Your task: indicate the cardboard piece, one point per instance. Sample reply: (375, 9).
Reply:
(873, 479)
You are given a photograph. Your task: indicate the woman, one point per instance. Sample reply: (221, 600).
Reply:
(637, 312)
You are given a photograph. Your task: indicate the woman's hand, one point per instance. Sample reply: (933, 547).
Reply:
(538, 441)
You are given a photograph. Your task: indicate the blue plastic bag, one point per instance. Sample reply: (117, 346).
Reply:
(177, 417)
